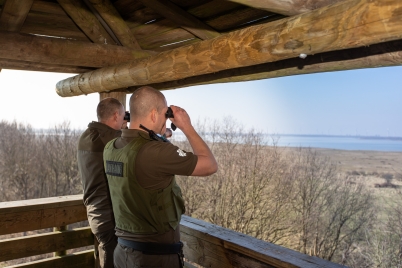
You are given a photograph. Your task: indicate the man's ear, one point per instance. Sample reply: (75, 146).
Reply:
(154, 114)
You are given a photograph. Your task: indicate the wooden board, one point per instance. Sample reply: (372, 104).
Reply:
(213, 246)
(155, 42)
(27, 246)
(13, 14)
(213, 9)
(47, 7)
(127, 7)
(52, 25)
(237, 18)
(36, 214)
(76, 260)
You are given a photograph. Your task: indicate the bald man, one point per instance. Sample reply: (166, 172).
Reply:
(141, 166)
(110, 113)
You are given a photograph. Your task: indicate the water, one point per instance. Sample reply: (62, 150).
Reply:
(330, 142)
(342, 142)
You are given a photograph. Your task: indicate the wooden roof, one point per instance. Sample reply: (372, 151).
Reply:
(119, 45)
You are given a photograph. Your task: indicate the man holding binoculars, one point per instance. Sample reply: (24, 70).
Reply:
(141, 166)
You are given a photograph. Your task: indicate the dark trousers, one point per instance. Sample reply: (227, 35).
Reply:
(107, 243)
(125, 257)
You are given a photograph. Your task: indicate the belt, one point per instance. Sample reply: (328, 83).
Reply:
(152, 248)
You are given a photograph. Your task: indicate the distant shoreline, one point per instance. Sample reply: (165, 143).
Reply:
(339, 136)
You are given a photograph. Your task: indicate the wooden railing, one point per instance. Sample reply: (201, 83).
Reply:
(205, 244)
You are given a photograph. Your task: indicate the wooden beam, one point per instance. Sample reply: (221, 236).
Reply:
(182, 18)
(74, 260)
(288, 7)
(27, 246)
(13, 14)
(31, 48)
(379, 55)
(40, 67)
(36, 214)
(86, 21)
(348, 24)
(209, 245)
(109, 13)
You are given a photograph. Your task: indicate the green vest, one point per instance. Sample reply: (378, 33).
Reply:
(138, 210)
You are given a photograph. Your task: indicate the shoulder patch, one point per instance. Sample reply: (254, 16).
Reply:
(114, 168)
(181, 152)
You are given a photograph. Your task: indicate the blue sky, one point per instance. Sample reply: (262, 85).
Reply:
(363, 102)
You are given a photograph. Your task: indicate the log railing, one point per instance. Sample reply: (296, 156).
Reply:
(205, 244)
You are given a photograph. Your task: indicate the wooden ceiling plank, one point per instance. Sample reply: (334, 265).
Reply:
(173, 36)
(378, 55)
(288, 7)
(47, 7)
(188, 3)
(109, 13)
(147, 31)
(52, 25)
(86, 21)
(39, 67)
(44, 50)
(354, 23)
(126, 7)
(144, 16)
(237, 18)
(182, 18)
(213, 8)
(13, 14)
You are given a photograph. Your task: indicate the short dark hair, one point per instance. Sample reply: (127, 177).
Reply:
(107, 107)
(144, 100)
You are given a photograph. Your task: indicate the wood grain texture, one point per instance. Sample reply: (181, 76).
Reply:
(349, 24)
(156, 41)
(47, 7)
(182, 18)
(76, 260)
(16, 222)
(285, 7)
(86, 21)
(213, 246)
(126, 7)
(237, 18)
(378, 55)
(38, 49)
(49, 24)
(120, 96)
(60, 241)
(13, 14)
(213, 8)
(35, 214)
(109, 13)
(39, 67)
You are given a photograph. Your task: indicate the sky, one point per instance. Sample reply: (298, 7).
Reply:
(358, 102)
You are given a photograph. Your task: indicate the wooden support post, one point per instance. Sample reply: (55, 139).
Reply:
(59, 229)
(120, 96)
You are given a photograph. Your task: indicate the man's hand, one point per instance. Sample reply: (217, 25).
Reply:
(181, 118)
(206, 163)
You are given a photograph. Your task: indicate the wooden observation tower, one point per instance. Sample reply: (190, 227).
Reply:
(112, 47)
